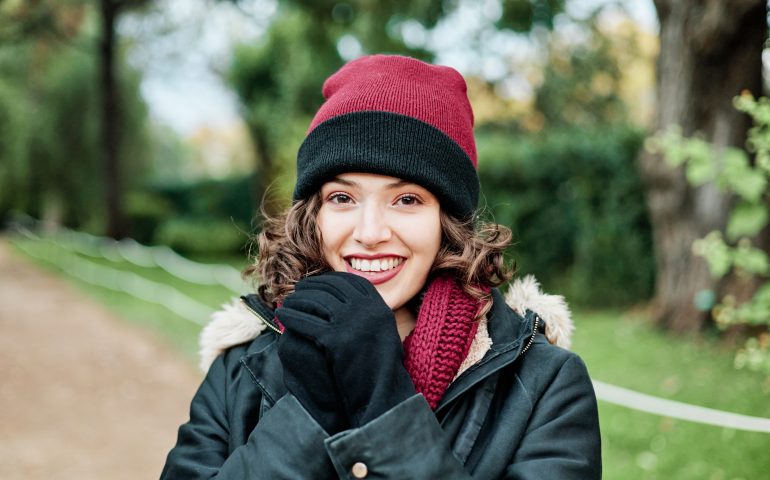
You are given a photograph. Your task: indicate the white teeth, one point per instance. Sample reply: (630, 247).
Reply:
(376, 265)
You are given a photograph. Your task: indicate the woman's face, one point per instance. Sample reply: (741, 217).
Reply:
(383, 229)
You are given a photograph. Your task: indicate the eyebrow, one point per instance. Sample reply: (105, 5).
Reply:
(397, 184)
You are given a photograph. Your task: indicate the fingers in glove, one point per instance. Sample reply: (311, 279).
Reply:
(303, 323)
(322, 284)
(312, 302)
(348, 283)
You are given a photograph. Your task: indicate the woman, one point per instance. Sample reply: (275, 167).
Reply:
(378, 345)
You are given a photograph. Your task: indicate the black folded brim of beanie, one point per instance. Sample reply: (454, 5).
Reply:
(390, 144)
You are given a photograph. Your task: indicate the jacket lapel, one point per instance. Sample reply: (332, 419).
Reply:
(264, 367)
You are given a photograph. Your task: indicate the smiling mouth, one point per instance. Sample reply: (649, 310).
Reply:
(375, 265)
(389, 267)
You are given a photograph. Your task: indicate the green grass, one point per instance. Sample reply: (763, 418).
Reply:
(623, 350)
(618, 348)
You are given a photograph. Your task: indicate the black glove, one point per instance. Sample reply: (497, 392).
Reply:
(307, 375)
(347, 319)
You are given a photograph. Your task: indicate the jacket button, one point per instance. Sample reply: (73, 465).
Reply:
(359, 470)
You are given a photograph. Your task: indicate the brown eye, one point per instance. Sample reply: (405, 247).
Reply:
(408, 200)
(340, 198)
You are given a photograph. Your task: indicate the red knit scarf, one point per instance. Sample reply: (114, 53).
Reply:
(441, 338)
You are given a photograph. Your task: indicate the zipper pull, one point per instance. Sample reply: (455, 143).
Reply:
(260, 317)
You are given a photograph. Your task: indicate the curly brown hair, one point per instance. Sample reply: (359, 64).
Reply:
(289, 249)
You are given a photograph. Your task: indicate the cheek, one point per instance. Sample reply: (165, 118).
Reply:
(331, 233)
(438, 236)
(424, 239)
(430, 238)
(324, 234)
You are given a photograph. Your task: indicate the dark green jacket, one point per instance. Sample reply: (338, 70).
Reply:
(526, 410)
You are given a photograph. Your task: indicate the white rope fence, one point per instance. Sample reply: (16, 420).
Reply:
(131, 251)
(126, 282)
(682, 411)
(198, 313)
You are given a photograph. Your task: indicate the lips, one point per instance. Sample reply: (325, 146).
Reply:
(377, 277)
(376, 265)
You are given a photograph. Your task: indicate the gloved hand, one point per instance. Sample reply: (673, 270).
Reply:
(307, 375)
(345, 317)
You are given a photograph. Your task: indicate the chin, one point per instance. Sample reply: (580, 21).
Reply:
(387, 297)
(394, 299)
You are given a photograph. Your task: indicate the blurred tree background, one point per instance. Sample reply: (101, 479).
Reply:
(576, 138)
(558, 167)
(560, 122)
(709, 54)
(70, 137)
(559, 161)
(569, 99)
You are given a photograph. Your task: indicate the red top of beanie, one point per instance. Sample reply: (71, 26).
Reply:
(433, 94)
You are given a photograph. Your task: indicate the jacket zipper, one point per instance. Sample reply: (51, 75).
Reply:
(260, 317)
(531, 337)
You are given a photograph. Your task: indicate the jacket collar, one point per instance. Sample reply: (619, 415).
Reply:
(510, 329)
(247, 317)
(511, 335)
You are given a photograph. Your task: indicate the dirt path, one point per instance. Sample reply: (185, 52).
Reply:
(82, 394)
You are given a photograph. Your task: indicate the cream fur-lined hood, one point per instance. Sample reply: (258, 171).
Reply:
(235, 324)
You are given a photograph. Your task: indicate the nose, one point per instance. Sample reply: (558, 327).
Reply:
(372, 226)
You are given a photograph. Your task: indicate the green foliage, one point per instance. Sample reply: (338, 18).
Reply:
(753, 356)
(524, 15)
(372, 24)
(230, 198)
(204, 235)
(146, 212)
(571, 192)
(279, 82)
(733, 172)
(581, 80)
(746, 219)
(716, 252)
(167, 214)
(575, 204)
(51, 151)
(14, 150)
(168, 156)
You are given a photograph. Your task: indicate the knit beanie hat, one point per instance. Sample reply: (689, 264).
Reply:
(395, 116)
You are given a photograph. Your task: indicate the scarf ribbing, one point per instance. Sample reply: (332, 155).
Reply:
(441, 338)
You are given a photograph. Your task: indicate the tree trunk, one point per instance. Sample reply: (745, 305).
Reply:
(111, 123)
(265, 174)
(709, 52)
